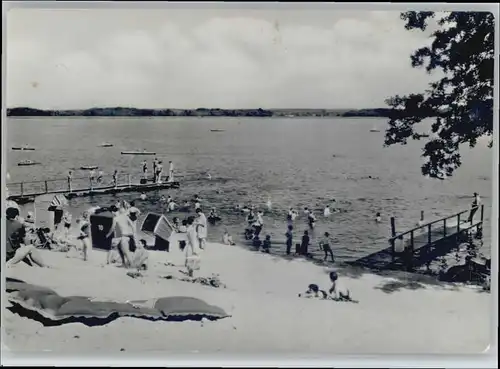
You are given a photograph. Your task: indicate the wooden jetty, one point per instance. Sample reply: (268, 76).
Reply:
(420, 245)
(25, 192)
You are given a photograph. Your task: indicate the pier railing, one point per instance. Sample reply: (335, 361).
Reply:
(76, 184)
(432, 232)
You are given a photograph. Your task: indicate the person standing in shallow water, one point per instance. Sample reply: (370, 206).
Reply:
(324, 246)
(304, 246)
(289, 239)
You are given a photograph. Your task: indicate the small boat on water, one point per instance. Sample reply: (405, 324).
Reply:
(106, 144)
(89, 167)
(217, 130)
(23, 148)
(27, 162)
(138, 152)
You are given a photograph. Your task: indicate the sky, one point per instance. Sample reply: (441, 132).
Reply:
(178, 58)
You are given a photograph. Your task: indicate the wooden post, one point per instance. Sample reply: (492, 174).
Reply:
(46, 187)
(429, 234)
(458, 223)
(129, 180)
(444, 227)
(393, 234)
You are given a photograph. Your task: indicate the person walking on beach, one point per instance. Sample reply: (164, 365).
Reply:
(170, 171)
(289, 239)
(475, 205)
(324, 245)
(304, 246)
(67, 218)
(124, 228)
(70, 178)
(201, 228)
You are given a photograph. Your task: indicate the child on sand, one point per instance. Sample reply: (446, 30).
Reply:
(266, 246)
(313, 291)
(338, 291)
(227, 239)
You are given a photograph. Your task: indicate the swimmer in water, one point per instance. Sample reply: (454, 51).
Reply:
(378, 218)
(269, 204)
(209, 176)
(143, 196)
(326, 212)
(306, 211)
(169, 199)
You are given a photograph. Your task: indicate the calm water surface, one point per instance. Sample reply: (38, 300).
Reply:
(294, 162)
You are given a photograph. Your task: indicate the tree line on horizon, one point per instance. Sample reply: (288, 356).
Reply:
(200, 112)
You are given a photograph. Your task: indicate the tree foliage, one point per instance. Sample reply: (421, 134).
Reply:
(461, 102)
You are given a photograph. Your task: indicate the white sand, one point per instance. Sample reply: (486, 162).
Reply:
(267, 315)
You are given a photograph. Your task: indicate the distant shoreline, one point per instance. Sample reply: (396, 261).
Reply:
(200, 112)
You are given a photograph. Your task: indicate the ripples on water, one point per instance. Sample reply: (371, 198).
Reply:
(295, 162)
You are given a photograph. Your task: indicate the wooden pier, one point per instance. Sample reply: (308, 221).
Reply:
(422, 244)
(25, 192)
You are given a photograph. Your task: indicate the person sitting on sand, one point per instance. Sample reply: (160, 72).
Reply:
(84, 235)
(16, 249)
(227, 239)
(338, 291)
(266, 246)
(324, 245)
(378, 218)
(313, 291)
(140, 256)
(171, 206)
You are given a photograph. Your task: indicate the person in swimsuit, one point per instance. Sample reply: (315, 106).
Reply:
(311, 220)
(70, 178)
(124, 228)
(16, 250)
(155, 164)
(84, 235)
(201, 228)
(159, 171)
(192, 249)
(170, 171)
(67, 218)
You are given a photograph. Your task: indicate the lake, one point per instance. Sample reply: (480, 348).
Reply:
(295, 162)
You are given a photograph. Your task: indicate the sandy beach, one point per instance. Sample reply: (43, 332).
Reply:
(393, 315)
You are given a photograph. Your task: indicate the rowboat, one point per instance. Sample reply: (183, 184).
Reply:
(106, 144)
(89, 167)
(217, 130)
(138, 153)
(23, 148)
(27, 162)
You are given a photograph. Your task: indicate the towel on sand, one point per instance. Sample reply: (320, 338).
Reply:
(52, 307)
